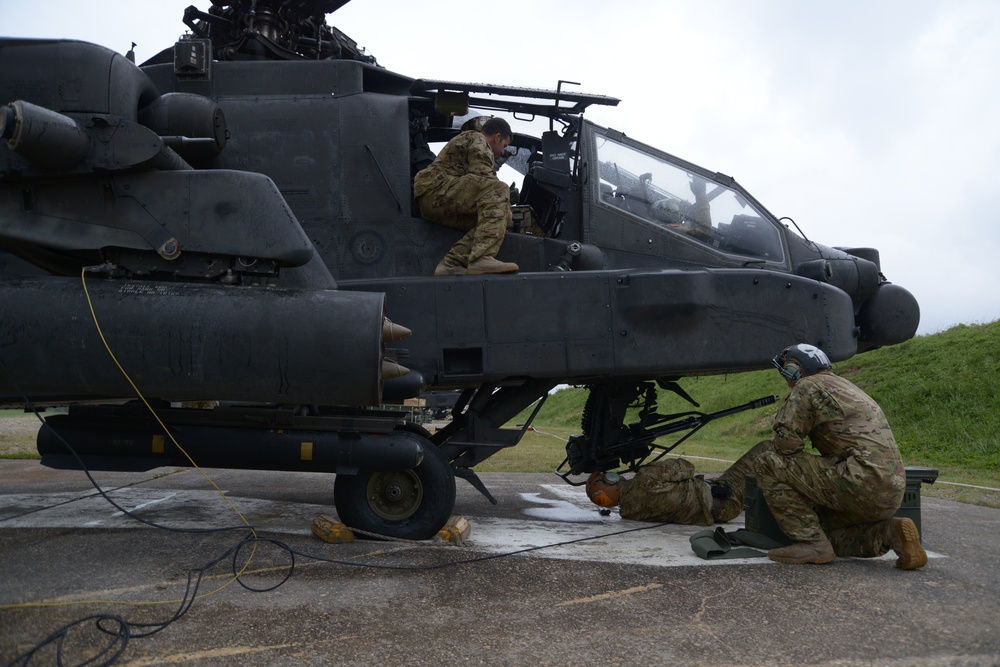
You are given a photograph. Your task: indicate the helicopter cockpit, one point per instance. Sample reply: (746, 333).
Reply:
(674, 196)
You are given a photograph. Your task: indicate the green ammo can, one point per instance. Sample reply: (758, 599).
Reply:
(760, 520)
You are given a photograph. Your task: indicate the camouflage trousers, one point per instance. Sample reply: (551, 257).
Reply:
(812, 497)
(667, 491)
(735, 478)
(475, 203)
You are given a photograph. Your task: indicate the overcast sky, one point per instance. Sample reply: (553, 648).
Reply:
(869, 123)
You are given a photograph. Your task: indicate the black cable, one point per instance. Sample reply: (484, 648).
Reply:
(124, 630)
(257, 542)
(120, 638)
(121, 631)
(128, 513)
(86, 471)
(194, 578)
(71, 500)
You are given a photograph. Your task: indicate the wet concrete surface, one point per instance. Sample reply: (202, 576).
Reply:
(592, 595)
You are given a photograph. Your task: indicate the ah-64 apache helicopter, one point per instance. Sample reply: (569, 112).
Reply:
(232, 222)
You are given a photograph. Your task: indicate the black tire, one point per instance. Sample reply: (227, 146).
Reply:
(406, 504)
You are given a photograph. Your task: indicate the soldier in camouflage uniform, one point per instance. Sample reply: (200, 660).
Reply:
(667, 490)
(842, 502)
(729, 489)
(460, 189)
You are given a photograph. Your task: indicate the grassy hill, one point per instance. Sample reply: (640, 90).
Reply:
(941, 393)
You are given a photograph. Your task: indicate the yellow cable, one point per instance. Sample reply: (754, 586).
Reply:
(100, 333)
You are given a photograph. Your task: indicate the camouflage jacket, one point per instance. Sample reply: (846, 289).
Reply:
(667, 491)
(839, 419)
(467, 153)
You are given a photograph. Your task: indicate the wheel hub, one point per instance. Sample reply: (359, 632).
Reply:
(394, 495)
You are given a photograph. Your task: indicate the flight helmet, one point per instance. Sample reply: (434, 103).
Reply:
(604, 488)
(800, 360)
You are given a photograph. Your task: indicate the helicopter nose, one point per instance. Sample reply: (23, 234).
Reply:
(889, 317)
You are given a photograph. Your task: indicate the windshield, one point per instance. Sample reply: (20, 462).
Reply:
(674, 198)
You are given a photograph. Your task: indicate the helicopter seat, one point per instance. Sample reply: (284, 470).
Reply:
(523, 221)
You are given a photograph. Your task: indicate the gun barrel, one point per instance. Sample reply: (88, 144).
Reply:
(699, 420)
(752, 405)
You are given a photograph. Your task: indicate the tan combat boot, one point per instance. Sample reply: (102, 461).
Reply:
(449, 267)
(904, 538)
(491, 265)
(804, 553)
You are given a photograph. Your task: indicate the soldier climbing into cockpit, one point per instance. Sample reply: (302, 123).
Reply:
(460, 189)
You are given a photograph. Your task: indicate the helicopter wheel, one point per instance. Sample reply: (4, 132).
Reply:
(406, 504)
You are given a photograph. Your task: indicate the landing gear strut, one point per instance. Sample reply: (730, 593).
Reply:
(607, 442)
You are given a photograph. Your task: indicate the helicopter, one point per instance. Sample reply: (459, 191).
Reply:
(214, 258)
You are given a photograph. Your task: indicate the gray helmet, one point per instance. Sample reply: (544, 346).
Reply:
(808, 359)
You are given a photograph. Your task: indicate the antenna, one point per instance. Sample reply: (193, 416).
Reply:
(558, 91)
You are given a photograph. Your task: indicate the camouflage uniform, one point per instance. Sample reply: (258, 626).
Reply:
(849, 492)
(460, 189)
(667, 491)
(735, 479)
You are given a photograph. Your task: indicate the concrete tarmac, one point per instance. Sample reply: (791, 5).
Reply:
(543, 579)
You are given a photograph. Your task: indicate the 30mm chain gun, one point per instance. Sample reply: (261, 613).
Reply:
(607, 443)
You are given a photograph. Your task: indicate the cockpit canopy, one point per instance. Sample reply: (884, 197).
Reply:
(670, 196)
